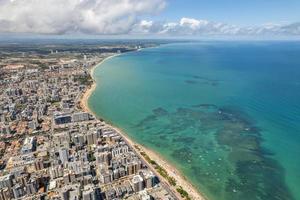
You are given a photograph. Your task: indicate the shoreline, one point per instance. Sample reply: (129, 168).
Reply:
(181, 180)
(88, 92)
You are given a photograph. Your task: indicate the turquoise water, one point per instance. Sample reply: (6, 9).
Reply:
(227, 114)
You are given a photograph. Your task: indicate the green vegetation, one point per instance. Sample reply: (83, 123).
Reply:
(84, 80)
(183, 193)
(43, 66)
(91, 157)
(159, 169)
(55, 103)
(172, 180)
(152, 162)
(20, 106)
(165, 174)
(59, 130)
(147, 158)
(137, 147)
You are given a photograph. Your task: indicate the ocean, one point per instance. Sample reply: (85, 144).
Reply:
(226, 114)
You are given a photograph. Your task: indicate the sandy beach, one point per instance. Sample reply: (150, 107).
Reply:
(173, 172)
(90, 90)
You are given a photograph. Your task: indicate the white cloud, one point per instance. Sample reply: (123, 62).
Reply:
(194, 27)
(185, 26)
(106, 17)
(83, 16)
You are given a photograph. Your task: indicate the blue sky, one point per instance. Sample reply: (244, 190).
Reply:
(239, 12)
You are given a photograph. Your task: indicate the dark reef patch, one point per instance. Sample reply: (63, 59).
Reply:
(206, 81)
(183, 154)
(220, 148)
(183, 139)
(159, 111)
(205, 106)
(194, 79)
(214, 83)
(190, 81)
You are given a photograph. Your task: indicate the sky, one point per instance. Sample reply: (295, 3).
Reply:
(168, 18)
(239, 12)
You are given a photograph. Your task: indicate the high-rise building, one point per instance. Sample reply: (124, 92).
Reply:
(79, 117)
(88, 193)
(64, 155)
(31, 187)
(62, 119)
(5, 194)
(103, 158)
(138, 183)
(18, 191)
(6, 181)
(144, 195)
(90, 139)
(79, 139)
(149, 178)
(119, 150)
(29, 145)
(61, 140)
(56, 171)
(66, 178)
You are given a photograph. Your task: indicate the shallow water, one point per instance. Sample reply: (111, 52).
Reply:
(227, 114)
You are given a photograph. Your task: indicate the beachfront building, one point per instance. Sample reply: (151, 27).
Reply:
(54, 150)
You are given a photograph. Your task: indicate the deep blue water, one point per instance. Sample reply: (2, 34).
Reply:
(227, 114)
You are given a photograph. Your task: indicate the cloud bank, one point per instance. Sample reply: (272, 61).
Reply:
(194, 27)
(116, 17)
(74, 16)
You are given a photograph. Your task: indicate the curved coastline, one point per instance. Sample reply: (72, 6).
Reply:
(86, 95)
(173, 171)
